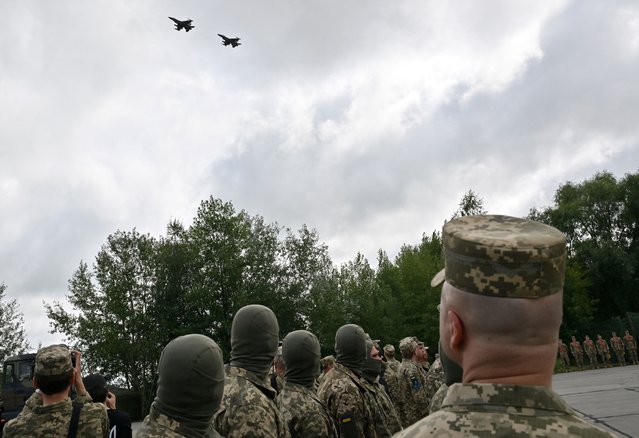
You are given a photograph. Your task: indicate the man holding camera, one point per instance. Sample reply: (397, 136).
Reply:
(49, 412)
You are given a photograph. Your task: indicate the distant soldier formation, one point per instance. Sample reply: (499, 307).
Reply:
(273, 389)
(625, 350)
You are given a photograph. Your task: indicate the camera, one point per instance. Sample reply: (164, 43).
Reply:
(73, 359)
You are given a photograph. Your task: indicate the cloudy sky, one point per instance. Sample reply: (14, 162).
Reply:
(367, 121)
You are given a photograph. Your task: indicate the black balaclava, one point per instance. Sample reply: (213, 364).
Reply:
(301, 353)
(254, 339)
(453, 373)
(190, 383)
(350, 347)
(371, 368)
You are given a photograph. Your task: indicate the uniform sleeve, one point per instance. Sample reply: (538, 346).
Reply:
(350, 415)
(250, 421)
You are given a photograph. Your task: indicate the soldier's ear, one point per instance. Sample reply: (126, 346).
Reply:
(457, 333)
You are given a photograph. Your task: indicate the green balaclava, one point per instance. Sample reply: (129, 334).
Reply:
(453, 373)
(350, 347)
(371, 368)
(301, 352)
(190, 383)
(254, 339)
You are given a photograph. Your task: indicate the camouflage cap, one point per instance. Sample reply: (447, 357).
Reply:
(53, 360)
(327, 360)
(390, 348)
(503, 256)
(408, 344)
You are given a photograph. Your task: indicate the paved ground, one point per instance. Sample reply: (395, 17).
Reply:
(608, 397)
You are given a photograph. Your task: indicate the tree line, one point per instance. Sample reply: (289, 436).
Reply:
(142, 291)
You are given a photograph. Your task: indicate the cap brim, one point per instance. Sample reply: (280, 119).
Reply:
(439, 278)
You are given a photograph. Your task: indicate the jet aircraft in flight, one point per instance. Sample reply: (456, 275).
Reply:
(186, 24)
(233, 42)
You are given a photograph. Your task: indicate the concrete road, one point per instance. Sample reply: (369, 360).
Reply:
(608, 397)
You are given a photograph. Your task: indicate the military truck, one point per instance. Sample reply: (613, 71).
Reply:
(17, 385)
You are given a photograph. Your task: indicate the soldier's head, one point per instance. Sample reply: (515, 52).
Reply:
(502, 293)
(54, 372)
(327, 363)
(350, 346)
(254, 339)
(614, 334)
(411, 347)
(573, 338)
(301, 353)
(372, 366)
(389, 351)
(587, 338)
(279, 363)
(97, 387)
(599, 337)
(627, 333)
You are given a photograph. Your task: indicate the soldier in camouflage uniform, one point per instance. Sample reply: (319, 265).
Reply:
(631, 346)
(617, 345)
(501, 308)
(341, 389)
(248, 406)
(385, 416)
(563, 354)
(438, 398)
(603, 350)
(391, 378)
(434, 379)
(190, 388)
(302, 410)
(277, 371)
(412, 377)
(48, 412)
(326, 363)
(591, 351)
(389, 354)
(577, 352)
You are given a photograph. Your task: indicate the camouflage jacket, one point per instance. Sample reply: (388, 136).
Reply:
(304, 413)
(394, 364)
(248, 408)
(434, 378)
(590, 348)
(575, 349)
(157, 425)
(385, 417)
(616, 343)
(563, 349)
(391, 378)
(602, 346)
(438, 398)
(412, 383)
(344, 396)
(53, 420)
(630, 342)
(490, 410)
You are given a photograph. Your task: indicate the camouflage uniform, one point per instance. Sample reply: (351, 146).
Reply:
(434, 379)
(603, 350)
(343, 394)
(394, 364)
(617, 345)
(391, 377)
(631, 346)
(563, 354)
(383, 411)
(502, 257)
(491, 410)
(304, 413)
(591, 351)
(415, 403)
(438, 398)
(157, 425)
(577, 352)
(248, 408)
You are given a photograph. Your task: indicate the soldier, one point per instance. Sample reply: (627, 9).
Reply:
(302, 410)
(434, 379)
(341, 390)
(248, 407)
(501, 308)
(389, 354)
(385, 416)
(412, 378)
(391, 379)
(190, 387)
(577, 352)
(277, 371)
(617, 345)
(631, 346)
(591, 351)
(563, 354)
(49, 412)
(603, 350)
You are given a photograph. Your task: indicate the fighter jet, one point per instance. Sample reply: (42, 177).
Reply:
(233, 42)
(186, 24)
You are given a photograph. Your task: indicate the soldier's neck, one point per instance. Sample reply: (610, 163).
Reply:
(54, 398)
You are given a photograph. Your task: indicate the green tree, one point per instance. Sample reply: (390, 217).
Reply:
(470, 205)
(13, 339)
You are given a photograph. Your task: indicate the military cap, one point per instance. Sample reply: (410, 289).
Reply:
(327, 360)
(409, 343)
(54, 360)
(390, 348)
(503, 256)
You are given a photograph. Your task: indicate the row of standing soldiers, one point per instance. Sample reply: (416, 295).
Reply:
(620, 346)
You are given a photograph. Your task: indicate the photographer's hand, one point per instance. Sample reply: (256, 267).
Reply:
(79, 383)
(110, 400)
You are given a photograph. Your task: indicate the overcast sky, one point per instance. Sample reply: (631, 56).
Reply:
(367, 121)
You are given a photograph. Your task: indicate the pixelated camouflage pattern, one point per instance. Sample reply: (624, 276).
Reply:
(434, 378)
(37, 421)
(578, 353)
(344, 396)
(391, 378)
(490, 410)
(438, 398)
(53, 360)
(393, 364)
(157, 425)
(304, 413)
(503, 256)
(408, 344)
(385, 417)
(631, 346)
(617, 346)
(248, 407)
(591, 351)
(603, 350)
(563, 354)
(412, 382)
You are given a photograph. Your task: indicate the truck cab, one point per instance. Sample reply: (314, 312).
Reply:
(17, 384)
